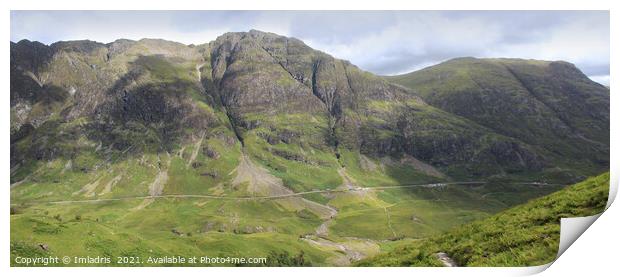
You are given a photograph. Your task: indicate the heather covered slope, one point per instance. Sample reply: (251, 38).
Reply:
(551, 106)
(525, 235)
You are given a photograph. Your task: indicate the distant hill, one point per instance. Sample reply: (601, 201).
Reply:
(551, 106)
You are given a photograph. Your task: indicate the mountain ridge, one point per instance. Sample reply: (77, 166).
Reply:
(300, 78)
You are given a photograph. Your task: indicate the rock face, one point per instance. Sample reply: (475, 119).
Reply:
(294, 109)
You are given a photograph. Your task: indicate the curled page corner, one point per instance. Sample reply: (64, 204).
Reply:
(535, 269)
(613, 189)
(573, 227)
(570, 230)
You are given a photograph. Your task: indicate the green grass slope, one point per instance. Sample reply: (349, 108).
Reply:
(525, 235)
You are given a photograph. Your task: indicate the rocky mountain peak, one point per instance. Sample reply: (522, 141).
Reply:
(266, 91)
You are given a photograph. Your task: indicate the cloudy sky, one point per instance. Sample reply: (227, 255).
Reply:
(383, 42)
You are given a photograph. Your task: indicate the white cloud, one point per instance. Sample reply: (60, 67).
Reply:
(386, 42)
(601, 79)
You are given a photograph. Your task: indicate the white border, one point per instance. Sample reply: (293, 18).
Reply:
(575, 258)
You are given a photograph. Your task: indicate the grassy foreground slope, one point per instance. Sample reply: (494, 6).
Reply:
(525, 235)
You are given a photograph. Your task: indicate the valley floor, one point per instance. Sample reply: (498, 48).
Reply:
(344, 225)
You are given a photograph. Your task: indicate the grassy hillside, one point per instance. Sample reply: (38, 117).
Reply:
(525, 235)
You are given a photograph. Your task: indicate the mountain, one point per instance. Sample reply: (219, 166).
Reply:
(289, 105)
(551, 106)
(255, 139)
(525, 235)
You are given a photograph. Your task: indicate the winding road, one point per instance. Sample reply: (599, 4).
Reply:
(246, 197)
(270, 197)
